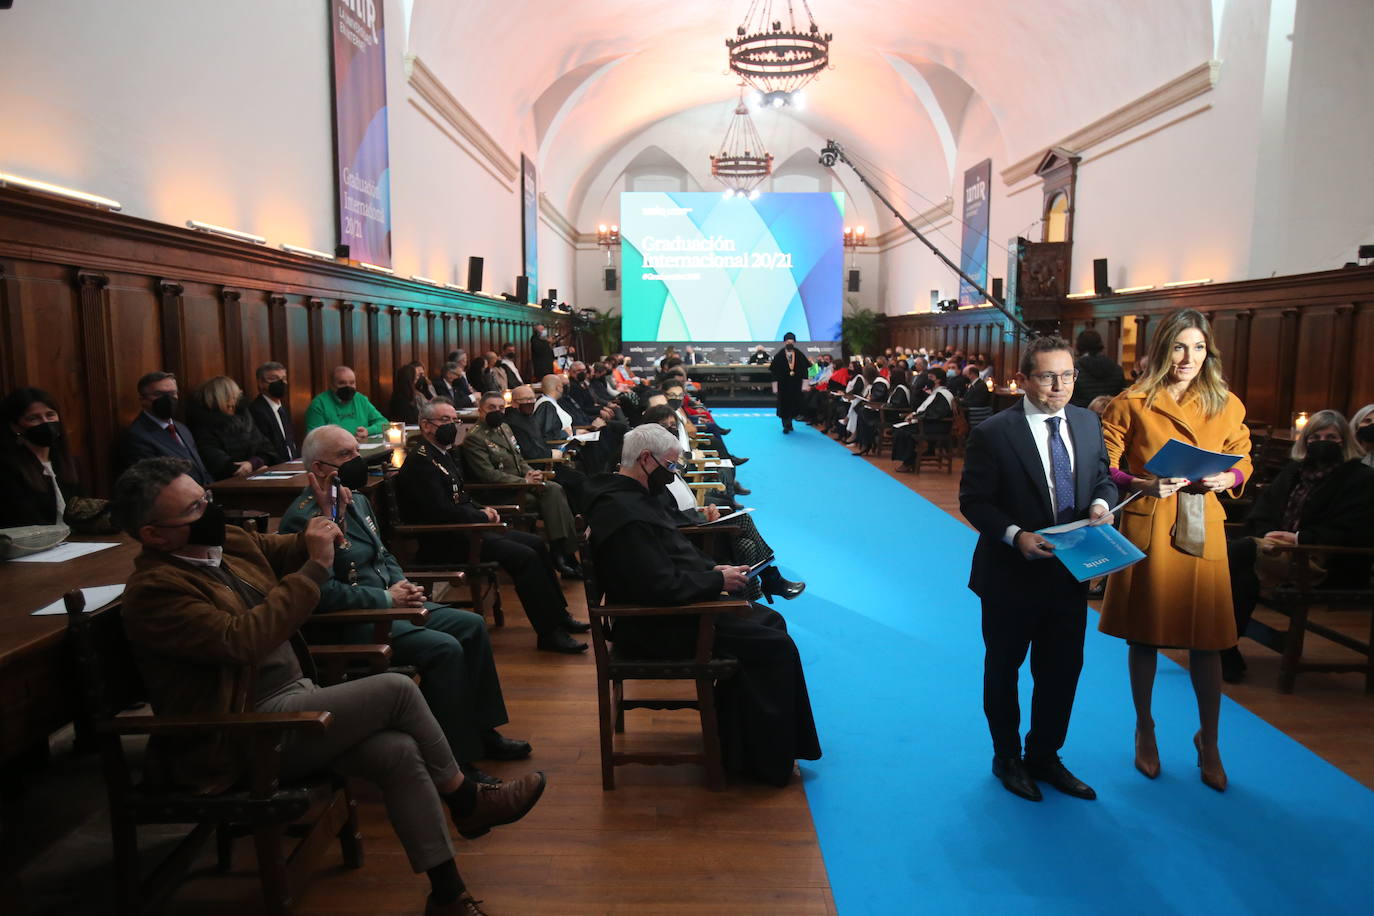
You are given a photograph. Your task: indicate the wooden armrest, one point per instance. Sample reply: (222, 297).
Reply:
(707, 472)
(370, 653)
(733, 606)
(546, 461)
(435, 575)
(239, 722)
(728, 530)
(415, 615)
(485, 487)
(452, 527)
(706, 485)
(1318, 548)
(506, 508)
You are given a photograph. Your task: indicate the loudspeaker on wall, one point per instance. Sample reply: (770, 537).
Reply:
(522, 288)
(474, 274)
(853, 281)
(1100, 286)
(997, 288)
(610, 279)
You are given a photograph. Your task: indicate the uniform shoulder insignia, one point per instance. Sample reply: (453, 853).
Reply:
(303, 503)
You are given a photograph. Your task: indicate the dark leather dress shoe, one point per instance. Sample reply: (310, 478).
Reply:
(742, 491)
(566, 569)
(1053, 771)
(575, 626)
(483, 780)
(721, 431)
(505, 804)
(740, 462)
(1014, 777)
(560, 641)
(496, 746)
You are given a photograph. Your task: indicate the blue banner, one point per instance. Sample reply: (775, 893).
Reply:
(973, 259)
(529, 218)
(360, 142)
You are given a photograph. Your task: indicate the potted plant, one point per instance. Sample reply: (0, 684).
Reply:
(859, 330)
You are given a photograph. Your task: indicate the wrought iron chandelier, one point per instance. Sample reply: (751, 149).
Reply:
(743, 162)
(778, 60)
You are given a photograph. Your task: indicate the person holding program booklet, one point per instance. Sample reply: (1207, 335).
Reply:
(1179, 596)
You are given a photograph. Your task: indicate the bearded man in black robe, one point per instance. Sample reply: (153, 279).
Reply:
(642, 558)
(790, 368)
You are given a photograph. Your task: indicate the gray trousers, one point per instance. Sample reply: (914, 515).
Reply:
(382, 732)
(558, 518)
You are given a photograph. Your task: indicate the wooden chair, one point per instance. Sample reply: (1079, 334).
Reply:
(942, 452)
(315, 810)
(481, 577)
(614, 668)
(1297, 600)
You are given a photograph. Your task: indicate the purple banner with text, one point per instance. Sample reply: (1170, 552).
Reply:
(973, 258)
(360, 142)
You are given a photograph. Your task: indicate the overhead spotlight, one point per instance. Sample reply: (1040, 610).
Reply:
(729, 193)
(222, 230)
(754, 194)
(778, 101)
(799, 100)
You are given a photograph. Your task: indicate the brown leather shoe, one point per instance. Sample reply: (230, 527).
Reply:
(505, 804)
(463, 906)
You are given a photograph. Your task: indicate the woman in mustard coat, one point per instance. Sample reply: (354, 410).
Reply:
(1179, 596)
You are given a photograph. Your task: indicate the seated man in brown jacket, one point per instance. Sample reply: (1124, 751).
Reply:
(213, 615)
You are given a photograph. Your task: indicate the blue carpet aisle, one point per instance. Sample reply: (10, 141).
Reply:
(909, 817)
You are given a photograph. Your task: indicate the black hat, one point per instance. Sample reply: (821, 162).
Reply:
(789, 336)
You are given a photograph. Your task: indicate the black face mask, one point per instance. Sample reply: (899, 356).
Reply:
(208, 530)
(580, 377)
(447, 434)
(352, 473)
(276, 390)
(421, 384)
(495, 418)
(345, 393)
(789, 345)
(1324, 453)
(1365, 434)
(659, 478)
(510, 354)
(675, 403)
(164, 406)
(44, 434)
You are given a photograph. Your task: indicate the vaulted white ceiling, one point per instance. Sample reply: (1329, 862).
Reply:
(588, 86)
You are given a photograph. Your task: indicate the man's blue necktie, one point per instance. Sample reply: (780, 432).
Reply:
(1063, 474)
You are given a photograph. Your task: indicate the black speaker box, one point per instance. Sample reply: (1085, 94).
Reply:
(610, 279)
(853, 281)
(1100, 286)
(474, 275)
(997, 288)
(522, 288)
(341, 252)
(553, 294)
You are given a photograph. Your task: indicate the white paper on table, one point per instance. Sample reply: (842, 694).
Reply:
(97, 596)
(275, 475)
(64, 552)
(594, 436)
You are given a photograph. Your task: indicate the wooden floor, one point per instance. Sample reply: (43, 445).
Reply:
(660, 843)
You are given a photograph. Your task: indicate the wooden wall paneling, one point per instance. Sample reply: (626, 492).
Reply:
(92, 439)
(1289, 329)
(255, 323)
(276, 325)
(349, 319)
(1238, 367)
(319, 346)
(172, 323)
(446, 335)
(296, 353)
(1339, 394)
(1362, 366)
(138, 345)
(14, 369)
(202, 309)
(1224, 329)
(1111, 338)
(231, 322)
(373, 316)
(1262, 372)
(1319, 347)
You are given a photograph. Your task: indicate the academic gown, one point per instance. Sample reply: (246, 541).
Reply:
(641, 557)
(789, 379)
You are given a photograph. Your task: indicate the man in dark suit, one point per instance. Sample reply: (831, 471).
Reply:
(155, 433)
(1034, 465)
(272, 414)
(541, 353)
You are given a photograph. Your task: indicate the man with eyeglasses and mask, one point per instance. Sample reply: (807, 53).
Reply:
(430, 491)
(1037, 464)
(451, 650)
(493, 456)
(642, 558)
(156, 433)
(344, 405)
(213, 615)
(271, 413)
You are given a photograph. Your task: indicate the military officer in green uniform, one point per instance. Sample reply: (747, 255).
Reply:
(492, 455)
(452, 651)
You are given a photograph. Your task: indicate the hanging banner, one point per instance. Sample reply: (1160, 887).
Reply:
(529, 224)
(973, 259)
(360, 143)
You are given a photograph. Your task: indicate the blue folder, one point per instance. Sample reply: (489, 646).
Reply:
(1179, 459)
(1089, 551)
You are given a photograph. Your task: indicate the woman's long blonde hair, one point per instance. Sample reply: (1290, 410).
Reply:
(1209, 387)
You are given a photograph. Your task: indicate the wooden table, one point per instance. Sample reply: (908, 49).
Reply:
(34, 700)
(274, 495)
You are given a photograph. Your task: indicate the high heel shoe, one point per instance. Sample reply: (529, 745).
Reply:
(1211, 778)
(1147, 756)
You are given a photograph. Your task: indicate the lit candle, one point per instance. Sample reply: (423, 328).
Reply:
(507, 396)
(398, 457)
(990, 383)
(395, 434)
(1299, 421)
(1011, 385)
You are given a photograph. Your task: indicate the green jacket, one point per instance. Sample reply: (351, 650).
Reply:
(328, 410)
(363, 570)
(493, 456)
